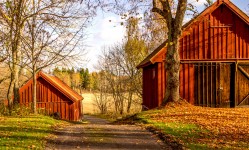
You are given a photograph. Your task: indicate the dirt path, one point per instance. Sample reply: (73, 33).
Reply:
(100, 134)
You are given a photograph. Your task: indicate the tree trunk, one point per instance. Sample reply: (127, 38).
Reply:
(16, 83)
(174, 20)
(10, 93)
(34, 91)
(172, 65)
(129, 102)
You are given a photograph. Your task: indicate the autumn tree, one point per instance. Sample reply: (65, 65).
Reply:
(172, 12)
(49, 36)
(132, 52)
(119, 63)
(101, 91)
(174, 21)
(13, 16)
(40, 33)
(208, 3)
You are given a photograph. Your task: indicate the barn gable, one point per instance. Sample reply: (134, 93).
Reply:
(211, 47)
(53, 95)
(220, 32)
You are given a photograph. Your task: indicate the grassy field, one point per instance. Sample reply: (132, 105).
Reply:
(90, 107)
(201, 128)
(26, 132)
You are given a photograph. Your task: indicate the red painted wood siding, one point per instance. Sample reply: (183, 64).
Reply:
(50, 100)
(220, 35)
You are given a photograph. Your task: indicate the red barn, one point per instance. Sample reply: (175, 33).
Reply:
(53, 95)
(214, 53)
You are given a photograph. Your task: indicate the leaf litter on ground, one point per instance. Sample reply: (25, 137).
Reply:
(202, 127)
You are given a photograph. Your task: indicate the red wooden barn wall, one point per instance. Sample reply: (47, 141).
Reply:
(220, 36)
(50, 99)
(153, 85)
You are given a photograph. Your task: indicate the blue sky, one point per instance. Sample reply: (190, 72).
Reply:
(103, 33)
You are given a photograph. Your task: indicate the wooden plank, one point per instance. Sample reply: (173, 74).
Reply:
(191, 83)
(206, 38)
(207, 83)
(210, 53)
(181, 81)
(219, 85)
(199, 84)
(222, 43)
(184, 82)
(183, 48)
(233, 86)
(203, 84)
(200, 38)
(243, 72)
(163, 83)
(211, 85)
(198, 41)
(215, 49)
(159, 82)
(226, 45)
(193, 43)
(244, 46)
(216, 97)
(246, 98)
(186, 76)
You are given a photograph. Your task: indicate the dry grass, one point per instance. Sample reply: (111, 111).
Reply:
(202, 128)
(90, 107)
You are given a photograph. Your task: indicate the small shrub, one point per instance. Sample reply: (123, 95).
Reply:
(17, 110)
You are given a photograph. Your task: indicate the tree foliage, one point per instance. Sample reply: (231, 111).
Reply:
(39, 33)
(119, 64)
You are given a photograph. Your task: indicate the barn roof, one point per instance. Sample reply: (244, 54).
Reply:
(150, 59)
(61, 86)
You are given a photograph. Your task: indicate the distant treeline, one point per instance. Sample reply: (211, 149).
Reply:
(78, 80)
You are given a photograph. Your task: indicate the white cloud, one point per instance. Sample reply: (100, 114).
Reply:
(197, 3)
(105, 31)
(111, 30)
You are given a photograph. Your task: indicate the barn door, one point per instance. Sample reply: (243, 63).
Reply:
(242, 85)
(224, 85)
(212, 84)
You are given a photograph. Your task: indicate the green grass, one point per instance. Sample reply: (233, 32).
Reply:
(25, 132)
(178, 131)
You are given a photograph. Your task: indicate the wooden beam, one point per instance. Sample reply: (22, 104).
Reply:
(233, 89)
(244, 99)
(203, 84)
(207, 82)
(216, 97)
(199, 84)
(211, 85)
(243, 72)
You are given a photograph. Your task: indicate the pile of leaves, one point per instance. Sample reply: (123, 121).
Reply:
(201, 127)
